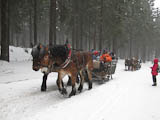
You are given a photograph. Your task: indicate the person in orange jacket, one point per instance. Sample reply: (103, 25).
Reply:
(102, 57)
(106, 57)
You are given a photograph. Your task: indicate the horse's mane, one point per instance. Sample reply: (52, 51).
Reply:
(59, 51)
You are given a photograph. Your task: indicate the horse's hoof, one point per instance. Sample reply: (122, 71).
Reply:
(90, 86)
(64, 91)
(43, 89)
(72, 93)
(69, 83)
(80, 88)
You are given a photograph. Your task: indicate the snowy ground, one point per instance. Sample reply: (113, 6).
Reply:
(129, 96)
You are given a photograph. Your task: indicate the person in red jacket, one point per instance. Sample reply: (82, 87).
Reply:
(155, 71)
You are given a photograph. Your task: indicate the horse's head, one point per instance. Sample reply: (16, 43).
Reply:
(45, 60)
(35, 54)
(38, 53)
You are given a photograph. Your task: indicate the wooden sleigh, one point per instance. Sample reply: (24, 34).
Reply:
(103, 72)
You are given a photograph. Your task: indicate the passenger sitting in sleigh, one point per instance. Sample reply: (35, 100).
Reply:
(105, 57)
(95, 54)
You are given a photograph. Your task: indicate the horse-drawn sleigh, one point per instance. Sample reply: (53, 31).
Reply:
(132, 64)
(58, 58)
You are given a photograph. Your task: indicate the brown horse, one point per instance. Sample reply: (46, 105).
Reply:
(56, 58)
(38, 53)
(128, 63)
(135, 64)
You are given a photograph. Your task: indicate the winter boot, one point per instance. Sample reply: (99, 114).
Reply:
(154, 84)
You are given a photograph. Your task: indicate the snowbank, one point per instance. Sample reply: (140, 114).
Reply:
(20, 54)
(17, 54)
(5, 67)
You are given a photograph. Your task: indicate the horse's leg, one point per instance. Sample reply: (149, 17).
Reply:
(85, 76)
(81, 82)
(132, 68)
(77, 80)
(89, 79)
(44, 86)
(73, 92)
(69, 83)
(60, 84)
(135, 68)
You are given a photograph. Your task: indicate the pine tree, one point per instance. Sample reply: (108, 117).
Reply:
(4, 30)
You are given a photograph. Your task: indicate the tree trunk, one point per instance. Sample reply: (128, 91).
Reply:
(156, 52)
(52, 27)
(114, 44)
(76, 34)
(81, 32)
(12, 36)
(73, 32)
(144, 54)
(0, 25)
(89, 34)
(4, 31)
(81, 23)
(35, 22)
(130, 45)
(30, 25)
(100, 26)
(94, 43)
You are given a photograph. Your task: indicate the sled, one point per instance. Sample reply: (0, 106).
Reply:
(102, 72)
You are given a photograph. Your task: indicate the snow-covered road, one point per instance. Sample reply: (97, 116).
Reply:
(129, 96)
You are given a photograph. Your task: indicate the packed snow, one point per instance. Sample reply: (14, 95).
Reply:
(128, 96)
